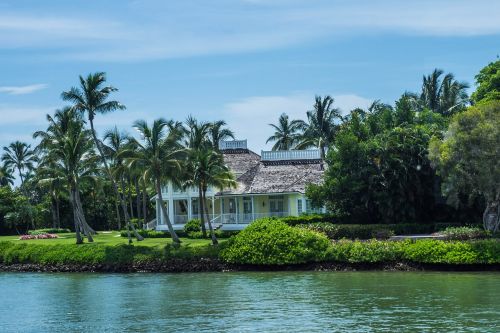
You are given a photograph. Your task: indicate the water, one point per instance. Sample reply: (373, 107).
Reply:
(241, 302)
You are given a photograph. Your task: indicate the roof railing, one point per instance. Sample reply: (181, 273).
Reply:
(234, 144)
(290, 155)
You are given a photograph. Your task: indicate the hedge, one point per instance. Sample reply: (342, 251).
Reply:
(272, 242)
(48, 231)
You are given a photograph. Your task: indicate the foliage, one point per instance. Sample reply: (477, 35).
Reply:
(147, 233)
(286, 133)
(192, 226)
(445, 96)
(38, 236)
(488, 82)
(464, 233)
(467, 158)
(48, 231)
(273, 242)
(218, 233)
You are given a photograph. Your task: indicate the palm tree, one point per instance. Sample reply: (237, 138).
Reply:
(218, 133)
(19, 155)
(92, 98)
(443, 96)
(159, 156)
(6, 177)
(114, 143)
(286, 133)
(205, 168)
(320, 129)
(69, 156)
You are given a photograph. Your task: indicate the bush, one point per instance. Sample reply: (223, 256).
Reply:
(38, 236)
(218, 233)
(464, 233)
(48, 231)
(147, 233)
(272, 242)
(365, 252)
(193, 225)
(350, 231)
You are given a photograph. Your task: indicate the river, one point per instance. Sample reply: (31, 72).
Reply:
(251, 301)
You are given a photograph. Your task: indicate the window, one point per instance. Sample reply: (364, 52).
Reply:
(247, 205)
(195, 207)
(310, 209)
(299, 206)
(276, 203)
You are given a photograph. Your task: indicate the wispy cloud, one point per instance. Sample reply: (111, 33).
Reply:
(250, 117)
(157, 29)
(22, 90)
(23, 115)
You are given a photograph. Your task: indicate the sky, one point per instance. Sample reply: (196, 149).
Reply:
(244, 61)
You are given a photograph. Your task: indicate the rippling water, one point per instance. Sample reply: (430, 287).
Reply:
(241, 302)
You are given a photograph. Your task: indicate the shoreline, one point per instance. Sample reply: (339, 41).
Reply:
(214, 265)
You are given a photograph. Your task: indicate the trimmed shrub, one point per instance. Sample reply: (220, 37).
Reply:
(464, 233)
(147, 233)
(218, 233)
(350, 231)
(48, 231)
(193, 225)
(272, 242)
(370, 251)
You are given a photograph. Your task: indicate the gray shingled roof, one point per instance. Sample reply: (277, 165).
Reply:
(260, 177)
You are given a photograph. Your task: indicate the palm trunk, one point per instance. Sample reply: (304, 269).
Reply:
(212, 233)
(54, 212)
(144, 202)
(130, 202)
(118, 220)
(115, 187)
(76, 221)
(175, 238)
(201, 208)
(137, 198)
(87, 230)
(58, 213)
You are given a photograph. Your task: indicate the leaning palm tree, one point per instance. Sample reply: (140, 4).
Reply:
(92, 98)
(321, 128)
(205, 168)
(69, 152)
(19, 155)
(443, 96)
(218, 133)
(286, 133)
(6, 176)
(159, 155)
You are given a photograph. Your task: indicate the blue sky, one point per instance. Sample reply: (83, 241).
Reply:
(245, 61)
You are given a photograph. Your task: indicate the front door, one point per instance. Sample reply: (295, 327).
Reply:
(276, 205)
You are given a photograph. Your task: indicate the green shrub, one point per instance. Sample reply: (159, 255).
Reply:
(272, 242)
(193, 225)
(350, 231)
(147, 233)
(464, 233)
(370, 251)
(218, 233)
(48, 231)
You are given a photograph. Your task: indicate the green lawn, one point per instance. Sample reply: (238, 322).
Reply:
(108, 238)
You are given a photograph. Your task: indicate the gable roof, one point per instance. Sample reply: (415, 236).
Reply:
(255, 176)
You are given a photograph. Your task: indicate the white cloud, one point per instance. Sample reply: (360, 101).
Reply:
(249, 118)
(22, 90)
(158, 29)
(21, 115)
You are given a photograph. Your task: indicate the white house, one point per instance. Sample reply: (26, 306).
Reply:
(272, 184)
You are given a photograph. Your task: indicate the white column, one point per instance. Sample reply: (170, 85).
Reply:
(289, 204)
(213, 207)
(253, 209)
(190, 207)
(221, 210)
(304, 210)
(171, 210)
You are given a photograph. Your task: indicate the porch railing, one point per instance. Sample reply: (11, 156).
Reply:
(245, 218)
(180, 219)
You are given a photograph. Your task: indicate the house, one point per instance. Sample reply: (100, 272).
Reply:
(272, 184)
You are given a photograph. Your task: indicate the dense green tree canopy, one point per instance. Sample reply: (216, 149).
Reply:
(488, 83)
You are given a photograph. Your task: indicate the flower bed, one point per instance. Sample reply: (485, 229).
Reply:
(39, 236)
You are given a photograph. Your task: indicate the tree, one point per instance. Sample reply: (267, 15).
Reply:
(444, 96)
(6, 177)
(159, 156)
(467, 158)
(69, 155)
(218, 133)
(92, 98)
(205, 168)
(19, 155)
(488, 83)
(320, 129)
(286, 133)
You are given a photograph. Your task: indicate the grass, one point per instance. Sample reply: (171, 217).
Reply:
(109, 238)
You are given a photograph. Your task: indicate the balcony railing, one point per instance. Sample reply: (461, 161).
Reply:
(236, 144)
(290, 155)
